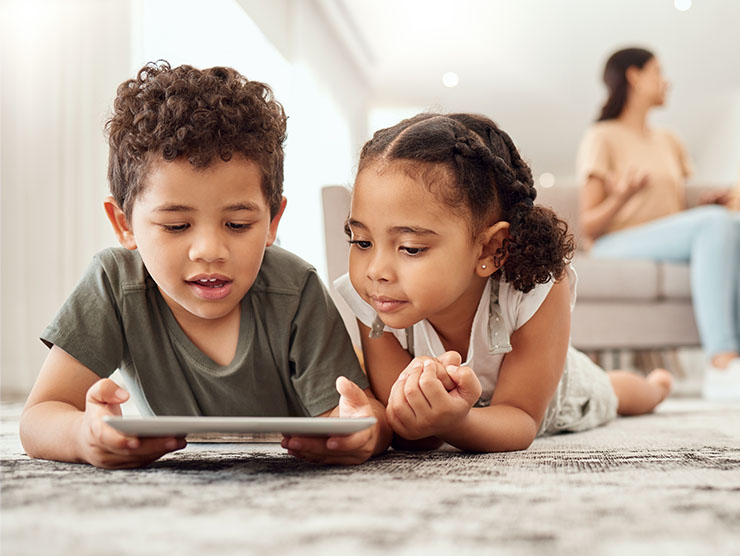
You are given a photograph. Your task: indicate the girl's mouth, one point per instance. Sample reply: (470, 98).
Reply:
(386, 304)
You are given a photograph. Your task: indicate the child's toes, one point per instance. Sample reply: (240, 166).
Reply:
(662, 378)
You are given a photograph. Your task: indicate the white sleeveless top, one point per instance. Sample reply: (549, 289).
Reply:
(502, 310)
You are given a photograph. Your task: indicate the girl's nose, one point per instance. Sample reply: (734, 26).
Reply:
(208, 246)
(380, 268)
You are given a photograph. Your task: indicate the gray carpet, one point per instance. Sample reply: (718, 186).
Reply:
(667, 483)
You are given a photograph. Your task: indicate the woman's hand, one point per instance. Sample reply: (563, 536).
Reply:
(103, 446)
(632, 181)
(722, 197)
(420, 405)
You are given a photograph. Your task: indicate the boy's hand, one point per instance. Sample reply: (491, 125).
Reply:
(103, 446)
(420, 405)
(340, 450)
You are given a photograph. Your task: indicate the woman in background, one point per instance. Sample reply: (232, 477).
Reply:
(633, 206)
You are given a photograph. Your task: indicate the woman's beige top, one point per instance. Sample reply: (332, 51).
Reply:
(610, 148)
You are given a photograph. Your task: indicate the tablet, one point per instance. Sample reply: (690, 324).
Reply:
(182, 426)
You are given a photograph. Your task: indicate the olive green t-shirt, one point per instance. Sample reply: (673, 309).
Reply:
(292, 342)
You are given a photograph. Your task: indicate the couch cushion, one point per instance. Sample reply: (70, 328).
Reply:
(633, 325)
(611, 279)
(675, 281)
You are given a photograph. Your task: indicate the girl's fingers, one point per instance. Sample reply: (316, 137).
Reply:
(399, 416)
(413, 394)
(450, 358)
(431, 387)
(467, 382)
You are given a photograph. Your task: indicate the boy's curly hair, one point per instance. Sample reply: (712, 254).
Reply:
(166, 113)
(472, 164)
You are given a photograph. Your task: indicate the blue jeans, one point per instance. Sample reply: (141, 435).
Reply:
(709, 239)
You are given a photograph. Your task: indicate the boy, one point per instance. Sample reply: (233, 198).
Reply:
(200, 313)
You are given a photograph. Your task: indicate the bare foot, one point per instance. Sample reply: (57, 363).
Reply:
(722, 360)
(663, 379)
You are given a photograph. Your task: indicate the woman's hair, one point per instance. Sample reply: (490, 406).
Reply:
(469, 163)
(199, 115)
(615, 79)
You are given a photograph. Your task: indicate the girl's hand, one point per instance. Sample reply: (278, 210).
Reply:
(420, 406)
(340, 450)
(447, 359)
(103, 446)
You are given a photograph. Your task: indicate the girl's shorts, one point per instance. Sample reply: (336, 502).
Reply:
(583, 400)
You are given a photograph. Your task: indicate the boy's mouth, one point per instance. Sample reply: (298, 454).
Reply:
(210, 287)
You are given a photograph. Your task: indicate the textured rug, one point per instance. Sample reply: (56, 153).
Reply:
(667, 483)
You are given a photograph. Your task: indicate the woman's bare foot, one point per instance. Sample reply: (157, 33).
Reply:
(663, 379)
(722, 360)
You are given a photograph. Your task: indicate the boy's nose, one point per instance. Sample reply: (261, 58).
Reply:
(208, 246)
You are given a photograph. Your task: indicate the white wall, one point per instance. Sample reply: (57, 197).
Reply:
(327, 116)
(60, 64)
(717, 153)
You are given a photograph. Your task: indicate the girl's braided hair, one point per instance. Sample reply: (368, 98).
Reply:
(472, 164)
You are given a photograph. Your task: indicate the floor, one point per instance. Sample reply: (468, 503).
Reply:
(666, 483)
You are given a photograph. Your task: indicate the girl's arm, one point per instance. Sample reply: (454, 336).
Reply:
(527, 381)
(599, 208)
(384, 360)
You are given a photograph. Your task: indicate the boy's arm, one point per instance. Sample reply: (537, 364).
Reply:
(63, 418)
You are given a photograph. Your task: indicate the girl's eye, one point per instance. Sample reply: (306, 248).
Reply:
(238, 227)
(175, 227)
(360, 244)
(413, 251)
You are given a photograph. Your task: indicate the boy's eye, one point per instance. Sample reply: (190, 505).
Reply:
(175, 227)
(361, 244)
(413, 251)
(238, 227)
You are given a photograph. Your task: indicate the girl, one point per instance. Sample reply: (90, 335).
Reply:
(450, 256)
(633, 206)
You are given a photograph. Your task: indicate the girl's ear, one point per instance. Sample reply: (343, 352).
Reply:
(493, 254)
(120, 223)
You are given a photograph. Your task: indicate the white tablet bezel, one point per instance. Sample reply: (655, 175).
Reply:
(182, 426)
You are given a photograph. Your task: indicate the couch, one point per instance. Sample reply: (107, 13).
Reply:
(633, 304)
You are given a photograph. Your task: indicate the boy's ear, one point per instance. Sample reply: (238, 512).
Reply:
(120, 223)
(492, 255)
(272, 232)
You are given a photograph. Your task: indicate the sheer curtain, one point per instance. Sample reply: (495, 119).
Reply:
(60, 64)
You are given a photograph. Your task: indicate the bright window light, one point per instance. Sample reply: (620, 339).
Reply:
(546, 180)
(450, 79)
(682, 5)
